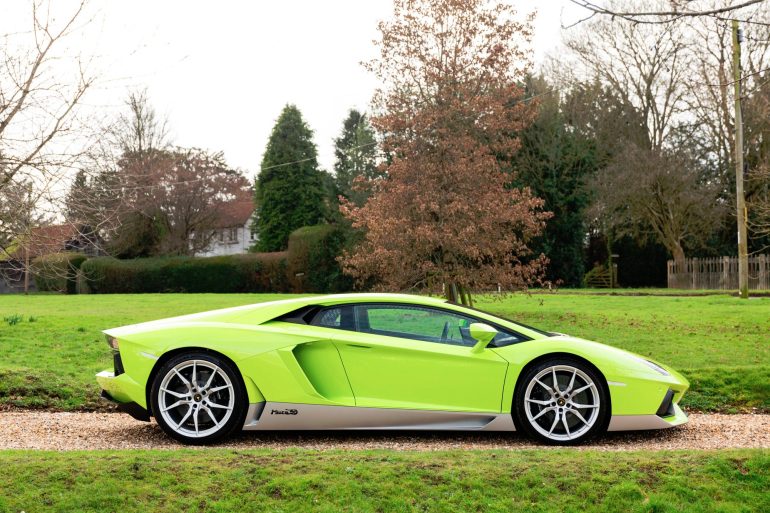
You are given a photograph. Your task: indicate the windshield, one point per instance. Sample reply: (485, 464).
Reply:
(536, 330)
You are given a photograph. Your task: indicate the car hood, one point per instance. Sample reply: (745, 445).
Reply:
(610, 360)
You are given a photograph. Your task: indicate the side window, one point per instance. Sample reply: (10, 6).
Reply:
(504, 338)
(415, 322)
(330, 318)
(340, 317)
(407, 321)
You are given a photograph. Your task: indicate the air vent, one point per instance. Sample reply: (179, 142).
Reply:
(666, 408)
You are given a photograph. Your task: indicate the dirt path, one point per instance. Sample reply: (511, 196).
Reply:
(80, 431)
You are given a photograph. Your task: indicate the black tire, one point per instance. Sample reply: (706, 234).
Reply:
(567, 414)
(206, 412)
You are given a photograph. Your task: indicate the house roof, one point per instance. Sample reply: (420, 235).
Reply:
(44, 240)
(234, 213)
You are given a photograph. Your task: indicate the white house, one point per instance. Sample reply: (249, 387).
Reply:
(232, 234)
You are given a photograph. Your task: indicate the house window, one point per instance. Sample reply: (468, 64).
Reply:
(233, 235)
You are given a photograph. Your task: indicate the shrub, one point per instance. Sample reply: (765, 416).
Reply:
(312, 259)
(261, 272)
(14, 319)
(57, 272)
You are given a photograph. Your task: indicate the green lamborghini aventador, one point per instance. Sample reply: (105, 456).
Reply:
(380, 361)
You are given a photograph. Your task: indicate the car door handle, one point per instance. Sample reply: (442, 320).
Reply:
(358, 346)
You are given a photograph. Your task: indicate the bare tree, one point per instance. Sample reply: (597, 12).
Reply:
(139, 129)
(37, 105)
(660, 194)
(709, 85)
(662, 13)
(41, 89)
(182, 202)
(643, 65)
(18, 219)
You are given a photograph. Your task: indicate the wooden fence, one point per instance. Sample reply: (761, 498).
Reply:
(719, 273)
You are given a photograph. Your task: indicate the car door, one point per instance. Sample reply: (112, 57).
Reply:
(413, 356)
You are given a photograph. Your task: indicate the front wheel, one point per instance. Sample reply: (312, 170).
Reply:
(561, 401)
(198, 398)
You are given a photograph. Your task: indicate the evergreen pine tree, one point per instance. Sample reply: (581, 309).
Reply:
(77, 199)
(356, 153)
(290, 190)
(555, 162)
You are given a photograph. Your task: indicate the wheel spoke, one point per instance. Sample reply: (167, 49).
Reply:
(566, 426)
(195, 374)
(195, 419)
(215, 405)
(555, 381)
(584, 406)
(184, 380)
(555, 421)
(579, 415)
(211, 378)
(544, 385)
(217, 389)
(542, 412)
(186, 416)
(211, 416)
(571, 381)
(589, 385)
(537, 401)
(175, 405)
(175, 394)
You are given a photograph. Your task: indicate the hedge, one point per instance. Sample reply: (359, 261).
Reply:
(309, 265)
(57, 272)
(262, 272)
(312, 259)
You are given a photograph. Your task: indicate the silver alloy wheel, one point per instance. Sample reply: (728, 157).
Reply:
(562, 402)
(192, 387)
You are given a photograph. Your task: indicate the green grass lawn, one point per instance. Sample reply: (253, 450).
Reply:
(49, 354)
(383, 481)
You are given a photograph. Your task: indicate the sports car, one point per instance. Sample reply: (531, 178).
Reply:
(380, 361)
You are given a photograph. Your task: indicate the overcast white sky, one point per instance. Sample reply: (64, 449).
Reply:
(221, 71)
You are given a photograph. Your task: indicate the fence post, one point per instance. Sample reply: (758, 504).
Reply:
(694, 277)
(725, 273)
(763, 284)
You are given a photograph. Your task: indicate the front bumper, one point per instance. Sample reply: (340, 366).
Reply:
(642, 422)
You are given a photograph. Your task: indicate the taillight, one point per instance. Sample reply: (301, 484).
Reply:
(112, 342)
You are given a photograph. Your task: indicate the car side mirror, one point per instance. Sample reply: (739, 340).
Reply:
(483, 334)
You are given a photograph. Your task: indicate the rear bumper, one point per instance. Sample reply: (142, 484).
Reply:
(131, 408)
(123, 391)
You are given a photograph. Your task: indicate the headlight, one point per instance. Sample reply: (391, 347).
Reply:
(654, 366)
(112, 342)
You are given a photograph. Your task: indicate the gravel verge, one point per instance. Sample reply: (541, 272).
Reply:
(86, 431)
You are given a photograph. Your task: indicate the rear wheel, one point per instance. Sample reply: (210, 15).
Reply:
(198, 398)
(561, 401)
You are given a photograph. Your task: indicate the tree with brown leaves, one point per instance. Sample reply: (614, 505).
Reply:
(447, 110)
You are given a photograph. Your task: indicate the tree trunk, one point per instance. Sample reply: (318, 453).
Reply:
(456, 293)
(679, 264)
(26, 271)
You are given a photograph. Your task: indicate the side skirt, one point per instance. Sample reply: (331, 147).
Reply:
(287, 416)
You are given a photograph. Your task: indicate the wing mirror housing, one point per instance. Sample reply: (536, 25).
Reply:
(483, 334)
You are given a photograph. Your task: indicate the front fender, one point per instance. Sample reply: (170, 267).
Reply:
(635, 389)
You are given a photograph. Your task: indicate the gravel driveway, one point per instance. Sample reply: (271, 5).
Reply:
(79, 431)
